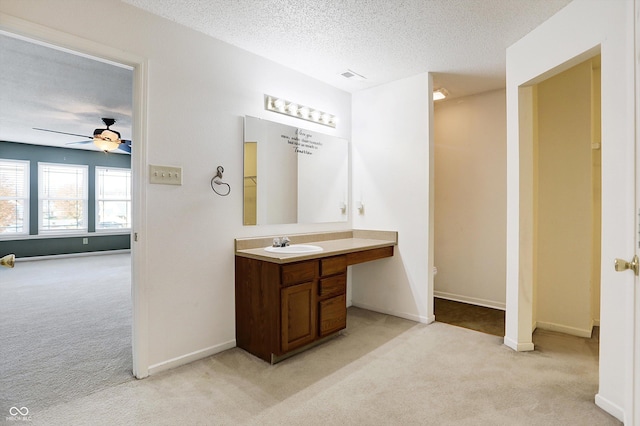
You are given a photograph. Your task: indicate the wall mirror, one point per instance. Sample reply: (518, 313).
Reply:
(293, 175)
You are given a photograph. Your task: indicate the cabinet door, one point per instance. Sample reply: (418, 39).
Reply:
(333, 315)
(298, 311)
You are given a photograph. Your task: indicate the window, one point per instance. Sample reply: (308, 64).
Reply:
(14, 197)
(113, 198)
(63, 198)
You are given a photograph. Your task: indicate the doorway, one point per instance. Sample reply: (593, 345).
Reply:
(74, 315)
(566, 205)
(579, 32)
(137, 269)
(470, 196)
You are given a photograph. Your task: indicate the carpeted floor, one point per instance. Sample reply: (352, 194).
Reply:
(65, 330)
(382, 371)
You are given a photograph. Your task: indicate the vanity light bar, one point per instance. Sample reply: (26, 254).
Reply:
(282, 106)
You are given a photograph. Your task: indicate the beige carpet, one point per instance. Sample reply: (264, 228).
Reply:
(65, 330)
(382, 371)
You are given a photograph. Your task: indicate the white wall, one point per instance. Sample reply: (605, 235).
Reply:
(198, 91)
(470, 198)
(574, 34)
(392, 171)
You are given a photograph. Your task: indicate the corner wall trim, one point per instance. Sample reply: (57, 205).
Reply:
(405, 315)
(564, 329)
(471, 300)
(193, 356)
(610, 407)
(518, 347)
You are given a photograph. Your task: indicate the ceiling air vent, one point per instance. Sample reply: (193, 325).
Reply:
(353, 75)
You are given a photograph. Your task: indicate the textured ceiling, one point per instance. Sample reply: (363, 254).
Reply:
(462, 42)
(54, 89)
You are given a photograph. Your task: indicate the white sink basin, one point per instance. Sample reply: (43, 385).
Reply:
(295, 249)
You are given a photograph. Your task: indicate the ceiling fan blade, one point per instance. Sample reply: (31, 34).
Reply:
(63, 133)
(81, 142)
(125, 146)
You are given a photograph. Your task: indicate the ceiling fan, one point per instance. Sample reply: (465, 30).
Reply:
(105, 139)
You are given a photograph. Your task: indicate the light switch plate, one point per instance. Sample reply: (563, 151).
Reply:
(165, 175)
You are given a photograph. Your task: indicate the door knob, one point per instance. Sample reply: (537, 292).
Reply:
(623, 265)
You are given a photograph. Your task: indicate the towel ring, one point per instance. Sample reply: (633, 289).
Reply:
(216, 181)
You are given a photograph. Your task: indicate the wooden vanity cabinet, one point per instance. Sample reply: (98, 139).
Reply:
(281, 308)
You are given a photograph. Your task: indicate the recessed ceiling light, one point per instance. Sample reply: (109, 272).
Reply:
(440, 94)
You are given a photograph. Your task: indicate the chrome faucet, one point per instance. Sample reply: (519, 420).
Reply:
(281, 242)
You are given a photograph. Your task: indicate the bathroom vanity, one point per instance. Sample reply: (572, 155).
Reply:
(288, 302)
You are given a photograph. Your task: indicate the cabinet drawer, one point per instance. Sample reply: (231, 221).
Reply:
(333, 285)
(333, 315)
(333, 265)
(299, 272)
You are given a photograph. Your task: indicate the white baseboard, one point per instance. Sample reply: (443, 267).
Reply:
(405, 315)
(63, 256)
(564, 329)
(470, 300)
(518, 347)
(610, 407)
(193, 356)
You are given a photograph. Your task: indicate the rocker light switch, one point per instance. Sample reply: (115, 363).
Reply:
(165, 175)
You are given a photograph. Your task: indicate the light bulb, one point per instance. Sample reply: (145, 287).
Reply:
(292, 109)
(279, 104)
(105, 144)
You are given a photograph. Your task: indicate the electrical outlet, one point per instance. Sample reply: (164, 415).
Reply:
(85, 241)
(165, 175)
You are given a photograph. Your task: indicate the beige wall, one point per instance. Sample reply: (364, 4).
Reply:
(566, 206)
(250, 201)
(596, 182)
(470, 199)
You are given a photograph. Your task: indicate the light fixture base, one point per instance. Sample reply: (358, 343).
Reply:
(293, 109)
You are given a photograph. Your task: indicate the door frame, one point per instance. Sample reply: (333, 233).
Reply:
(57, 39)
(574, 34)
(634, 396)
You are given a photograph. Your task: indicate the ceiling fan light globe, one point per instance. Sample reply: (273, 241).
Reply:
(105, 144)
(110, 135)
